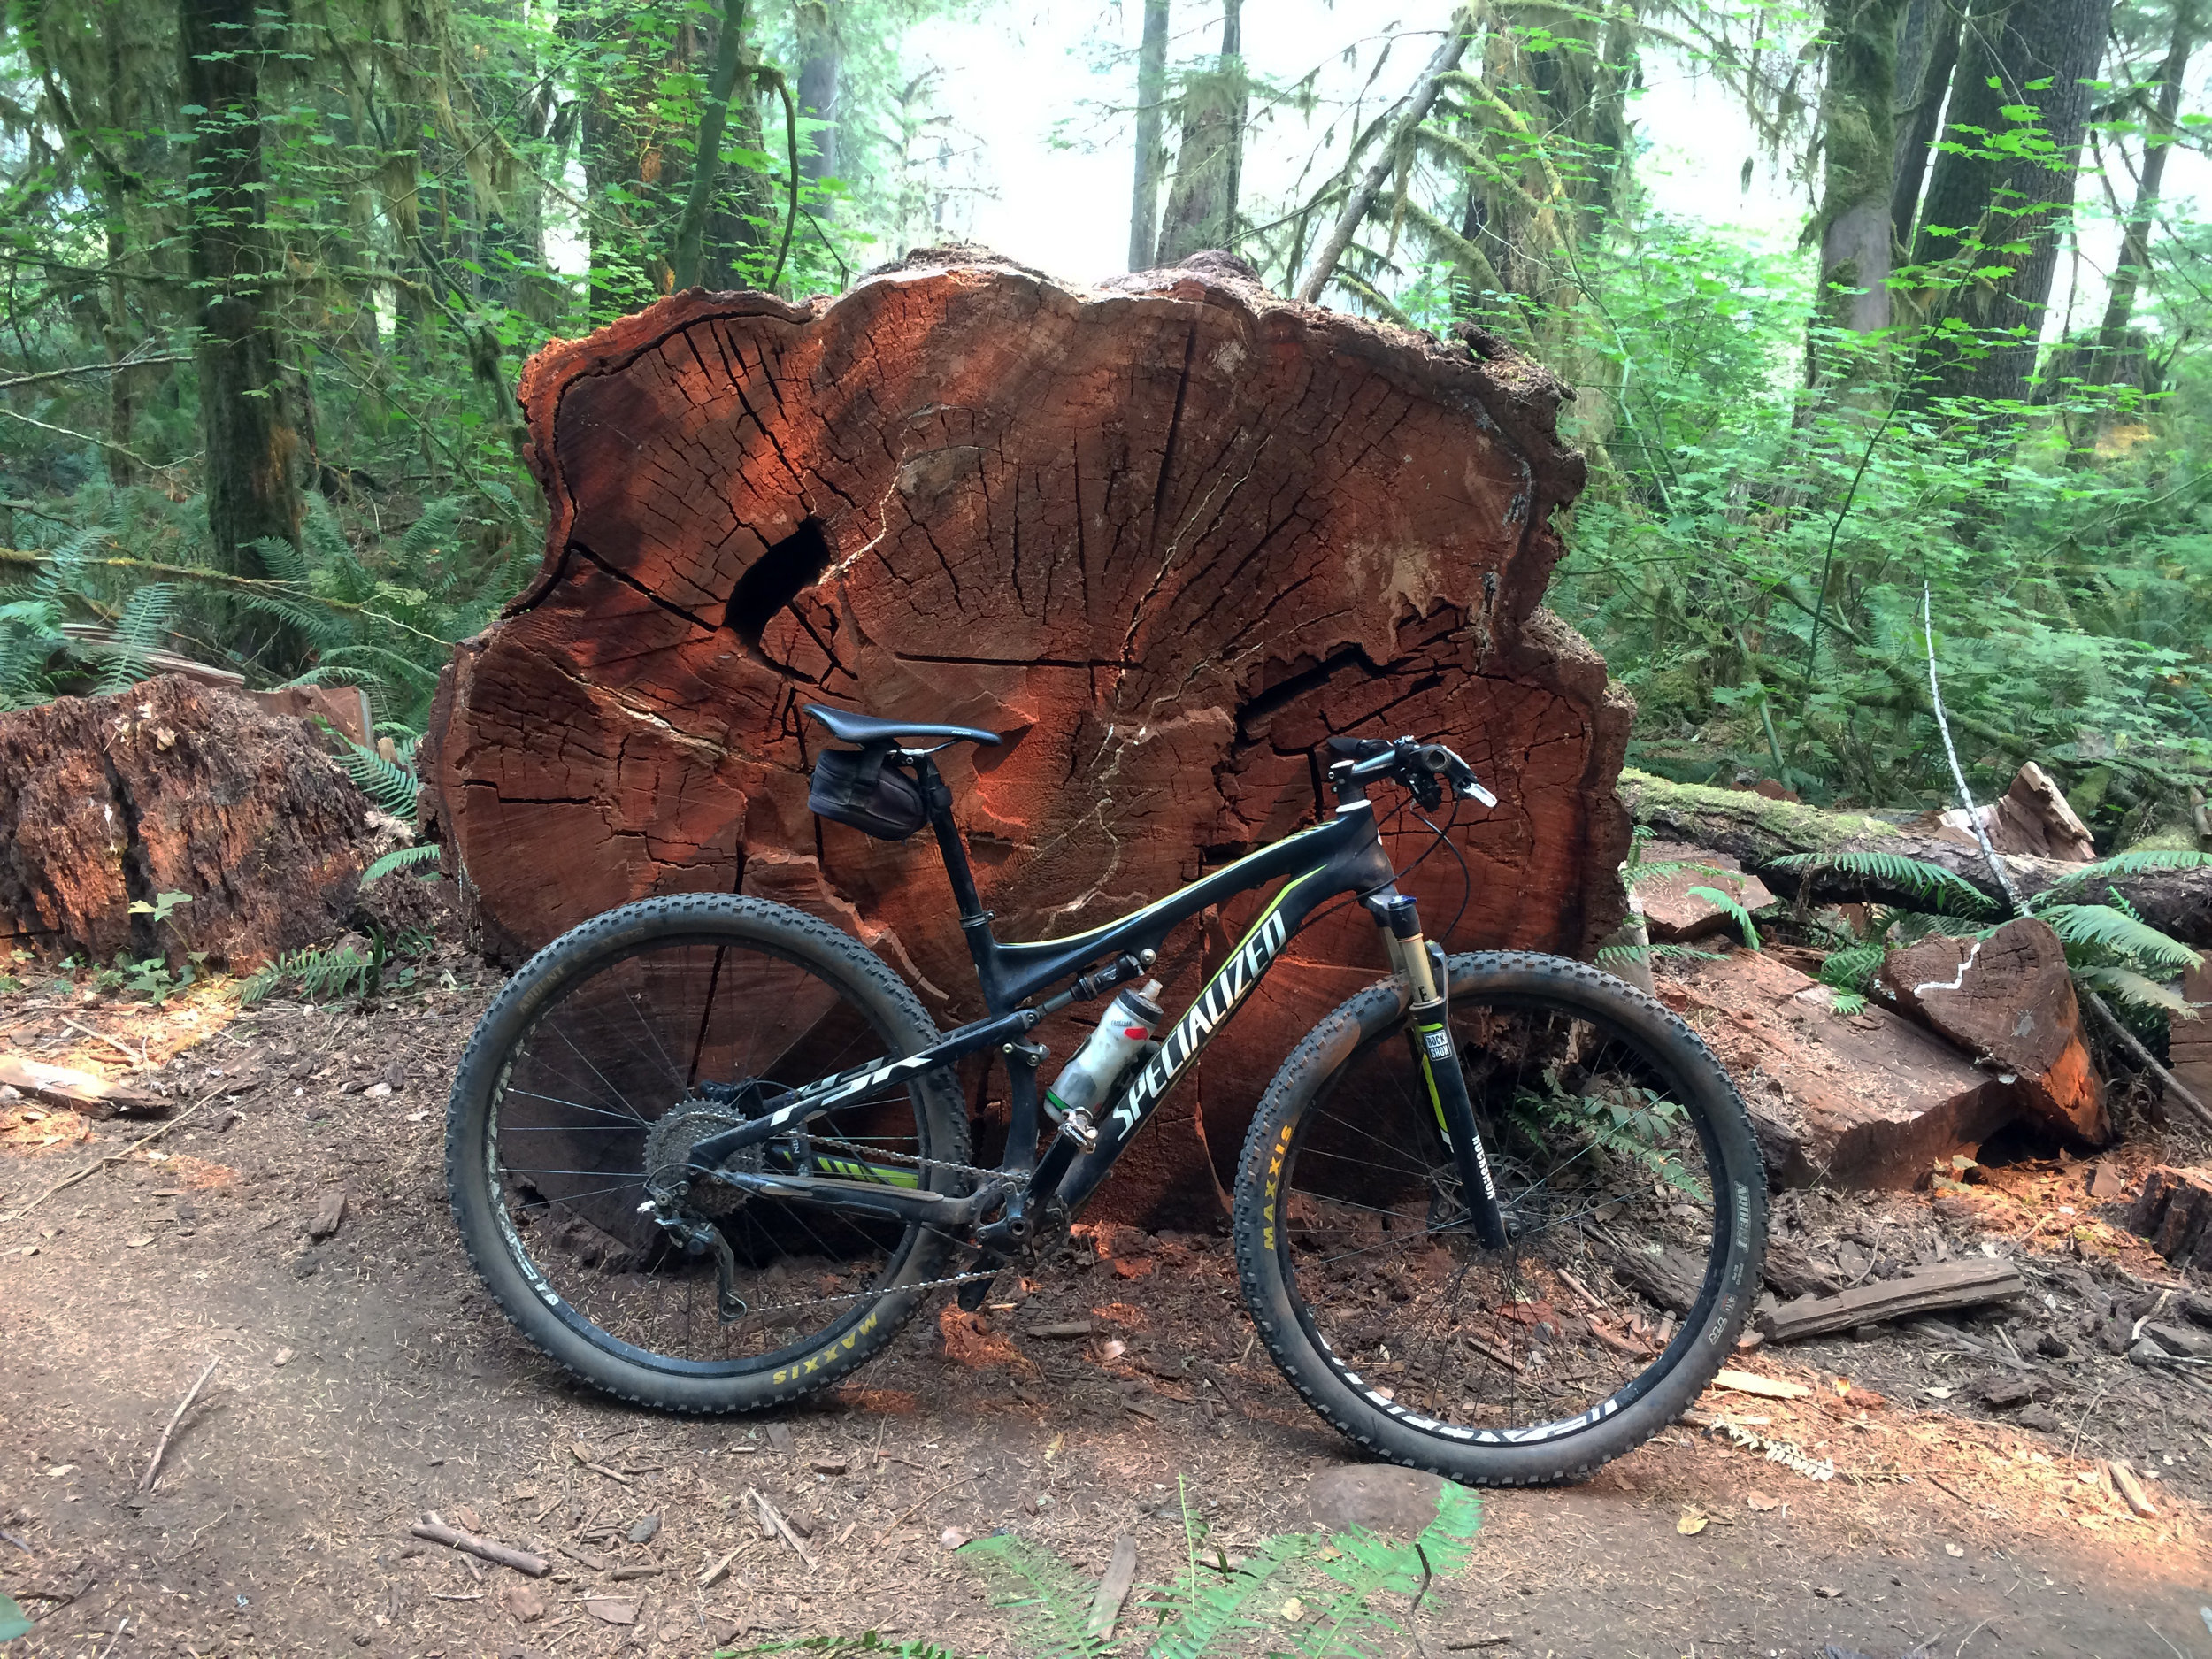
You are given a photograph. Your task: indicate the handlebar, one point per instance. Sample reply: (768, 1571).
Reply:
(1418, 765)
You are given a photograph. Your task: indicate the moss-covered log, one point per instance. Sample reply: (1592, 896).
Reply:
(1760, 834)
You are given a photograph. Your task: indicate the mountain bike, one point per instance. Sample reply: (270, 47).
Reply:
(710, 1152)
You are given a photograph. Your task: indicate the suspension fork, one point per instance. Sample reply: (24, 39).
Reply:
(1436, 1058)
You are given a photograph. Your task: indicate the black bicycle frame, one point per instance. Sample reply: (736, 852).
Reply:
(1344, 854)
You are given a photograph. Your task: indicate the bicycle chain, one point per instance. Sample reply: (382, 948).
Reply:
(881, 1154)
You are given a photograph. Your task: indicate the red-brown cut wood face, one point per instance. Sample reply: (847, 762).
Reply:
(1167, 536)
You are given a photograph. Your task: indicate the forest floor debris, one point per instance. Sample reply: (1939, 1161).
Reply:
(281, 1522)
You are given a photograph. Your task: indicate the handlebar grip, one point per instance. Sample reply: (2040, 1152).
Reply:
(1436, 757)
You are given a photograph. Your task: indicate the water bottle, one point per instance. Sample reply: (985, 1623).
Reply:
(1131, 1019)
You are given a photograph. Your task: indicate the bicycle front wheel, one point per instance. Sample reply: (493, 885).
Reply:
(1635, 1206)
(617, 1049)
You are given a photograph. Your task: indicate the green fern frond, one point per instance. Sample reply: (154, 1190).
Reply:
(1736, 912)
(399, 858)
(2140, 861)
(1654, 952)
(1950, 893)
(319, 626)
(1220, 1603)
(323, 975)
(2125, 985)
(389, 785)
(1048, 1598)
(1853, 968)
(435, 532)
(283, 562)
(2100, 928)
(142, 627)
(1848, 1002)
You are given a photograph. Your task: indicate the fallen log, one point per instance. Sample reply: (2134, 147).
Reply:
(1968, 1282)
(1867, 1099)
(1168, 536)
(1759, 833)
(173, 787)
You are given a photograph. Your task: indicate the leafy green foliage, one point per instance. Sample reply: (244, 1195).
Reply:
(1050, 1601)
(1949, 893)
(1636, 1124)
(389, 784)
(1295, 1592)
(1729, 902)
(321, 976)
(399, 859)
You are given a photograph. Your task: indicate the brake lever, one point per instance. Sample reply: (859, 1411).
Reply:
(1467, 789)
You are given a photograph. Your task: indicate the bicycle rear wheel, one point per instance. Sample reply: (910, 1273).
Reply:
(615, 1050)
(1635, 1204)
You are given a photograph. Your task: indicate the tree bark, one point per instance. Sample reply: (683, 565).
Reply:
(1858, 149)
(1202, 205)
(1927, 52)
(174, 786)
(1981, 200)
(252, 447)
(1168, 537)
(1144, 201)
(821, 67)
(1418, 102)
(2135, 254)
(1759, 832)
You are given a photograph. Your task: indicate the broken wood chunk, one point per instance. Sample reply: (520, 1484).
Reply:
(1791, 1270)
(1170, 528)
(1668, 1278)
(1675, 912)
(2174, 1212)
(76, 1091)
(2009, 997)
(1969, 1282)
(1868, 1101)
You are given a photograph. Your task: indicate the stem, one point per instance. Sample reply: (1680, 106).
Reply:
(1362, 198)
(2143, 1056)
(1958, 774)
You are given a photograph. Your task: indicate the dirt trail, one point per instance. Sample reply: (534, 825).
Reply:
(363, 1380)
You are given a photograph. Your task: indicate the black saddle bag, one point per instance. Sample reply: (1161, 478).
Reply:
(858, 786)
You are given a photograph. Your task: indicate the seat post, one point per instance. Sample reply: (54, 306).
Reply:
(939, 797)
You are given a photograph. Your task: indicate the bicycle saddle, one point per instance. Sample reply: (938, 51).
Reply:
(849, 727)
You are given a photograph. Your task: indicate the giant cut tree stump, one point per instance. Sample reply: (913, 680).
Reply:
(1167, 534)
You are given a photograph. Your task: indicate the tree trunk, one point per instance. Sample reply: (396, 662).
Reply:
(251, 444)
(706, 162)
(821, 64)
(1369, 186)
(1760, 832)
(1144, 202)
(1201, 204)
(1982, 198)
(1927, 52)
(1156, 534)
(1858, 149)
(2135, 254)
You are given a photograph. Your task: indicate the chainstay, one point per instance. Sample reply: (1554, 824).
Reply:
(878, 1155)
